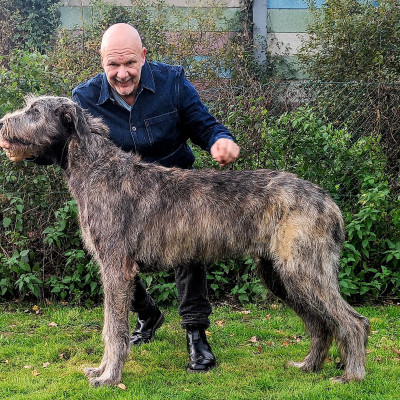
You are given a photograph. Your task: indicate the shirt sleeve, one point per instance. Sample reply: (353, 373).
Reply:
(199, 124)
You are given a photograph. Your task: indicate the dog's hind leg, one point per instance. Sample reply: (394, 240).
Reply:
(320, 334)
(316, 299)
(351, 331)
(117, 300)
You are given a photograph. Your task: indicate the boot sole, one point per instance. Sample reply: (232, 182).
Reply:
(199, 371)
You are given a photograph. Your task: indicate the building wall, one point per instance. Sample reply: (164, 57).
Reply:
(281, 22)
(286, 26)
(76, 12)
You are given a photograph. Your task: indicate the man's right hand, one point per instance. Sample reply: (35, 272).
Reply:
(13, 156)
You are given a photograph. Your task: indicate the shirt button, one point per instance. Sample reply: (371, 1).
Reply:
(133, 128)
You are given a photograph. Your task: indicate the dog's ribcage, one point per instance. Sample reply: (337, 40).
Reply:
(169, 216)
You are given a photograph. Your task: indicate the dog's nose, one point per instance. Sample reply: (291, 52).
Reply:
(1, 123)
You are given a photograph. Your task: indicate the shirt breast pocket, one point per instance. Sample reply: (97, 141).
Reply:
(163, 133)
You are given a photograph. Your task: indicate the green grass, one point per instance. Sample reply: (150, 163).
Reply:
(39, 360)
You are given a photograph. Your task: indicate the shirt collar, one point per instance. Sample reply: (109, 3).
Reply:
(146, 82)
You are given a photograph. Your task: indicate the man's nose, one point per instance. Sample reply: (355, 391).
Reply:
(122, 72)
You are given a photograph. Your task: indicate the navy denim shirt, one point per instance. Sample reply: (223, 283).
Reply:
(166, 113)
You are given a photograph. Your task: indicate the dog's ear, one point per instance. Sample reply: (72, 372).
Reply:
(72, 116)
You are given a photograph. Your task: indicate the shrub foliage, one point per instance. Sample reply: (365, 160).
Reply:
(353, 40)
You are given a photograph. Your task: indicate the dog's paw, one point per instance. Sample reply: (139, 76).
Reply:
(347, 377)
(93, 372)
(305, 365)
(104, 380)
(339, 379)
(296, 364)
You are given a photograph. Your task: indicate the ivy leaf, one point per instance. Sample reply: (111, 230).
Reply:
(6, 222)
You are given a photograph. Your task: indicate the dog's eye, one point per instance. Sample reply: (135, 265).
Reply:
(34, 110)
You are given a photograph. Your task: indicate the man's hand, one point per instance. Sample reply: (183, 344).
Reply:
(224, 151)
(13, 156)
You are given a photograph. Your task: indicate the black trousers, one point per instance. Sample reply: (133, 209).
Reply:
(194, 307)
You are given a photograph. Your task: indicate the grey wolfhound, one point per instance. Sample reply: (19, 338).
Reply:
(135, 215)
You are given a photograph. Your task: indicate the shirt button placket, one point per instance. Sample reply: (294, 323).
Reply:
(133, 131)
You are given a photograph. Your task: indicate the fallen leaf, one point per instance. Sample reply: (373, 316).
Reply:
(274, 306)
(7, 362)
(52, 324)
(286, 343)
(35, 373)
(375, 320)
(395, 351)
(61, 356)
(268, 316)
(121, 386)
(37, 309)
(245, 312)
(378, 359)
(46, 364)
(208, 333)
(220, 323)
(253, 339)
(28, 366)
(48, 302)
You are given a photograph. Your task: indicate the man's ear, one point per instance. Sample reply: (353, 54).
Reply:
(144, 51)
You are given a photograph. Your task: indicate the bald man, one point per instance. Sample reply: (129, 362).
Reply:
(152, 110)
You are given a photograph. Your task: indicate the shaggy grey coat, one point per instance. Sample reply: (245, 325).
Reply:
(132, 213)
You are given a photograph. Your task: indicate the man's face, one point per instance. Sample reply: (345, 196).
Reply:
(122, 65)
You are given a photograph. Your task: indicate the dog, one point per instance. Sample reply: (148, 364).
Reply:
(136, 216)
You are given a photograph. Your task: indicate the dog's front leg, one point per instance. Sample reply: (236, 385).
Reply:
(117, 299)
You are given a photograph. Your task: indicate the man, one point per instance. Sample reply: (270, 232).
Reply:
(153, 110)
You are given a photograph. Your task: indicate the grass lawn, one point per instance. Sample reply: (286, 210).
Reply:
(44, 349)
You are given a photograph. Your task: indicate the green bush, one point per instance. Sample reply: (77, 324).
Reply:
(353, 40)
(41, 252)
(27, 25)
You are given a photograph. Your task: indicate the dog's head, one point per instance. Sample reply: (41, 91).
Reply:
(44, 127)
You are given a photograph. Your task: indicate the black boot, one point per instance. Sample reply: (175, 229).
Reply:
(146, 327)
(201, 358)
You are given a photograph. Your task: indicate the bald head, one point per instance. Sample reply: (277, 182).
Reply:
(122, 58)
(119, 36)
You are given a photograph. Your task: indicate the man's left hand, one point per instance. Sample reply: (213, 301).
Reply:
(224, 151)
